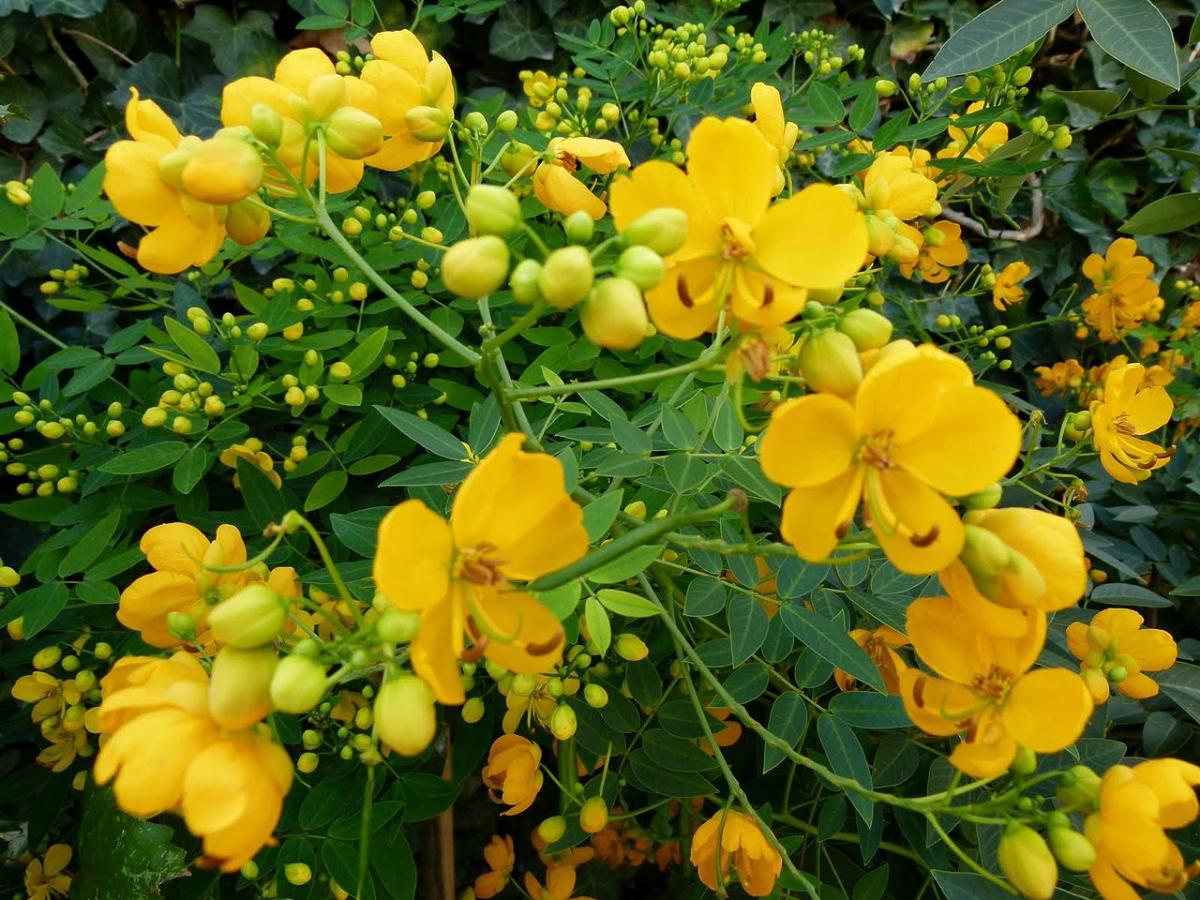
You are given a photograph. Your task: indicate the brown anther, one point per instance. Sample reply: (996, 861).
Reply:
(768, 294)
(568, 162)
(924, 540)
(546, 646)
(842, 530)
(756, 357)
(685, 296)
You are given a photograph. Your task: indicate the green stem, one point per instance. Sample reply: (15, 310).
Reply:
(568, 775)
(330, 565)
(517, 327)
(435, 331)
(32, 326)
(808, 828)
(558, 390)
(961, 854)
(364, 831)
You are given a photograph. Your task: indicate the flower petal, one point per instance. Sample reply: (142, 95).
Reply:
(144, 119)
(538, 641)
(562, 192)
(683, 305)
(989, 752)
(414, 556)
(175, 547)
(733, 168)
(658, 184)
(918, 530)
(816, 238)
(178, 243)
(298, 68)
(133, 184)
(814, 517)
(436, 648)
(810, 440)
(1047, 709)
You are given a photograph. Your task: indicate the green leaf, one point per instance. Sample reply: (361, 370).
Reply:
(143, 460)
(967, 886)
(434, 474)
(88, 377)
(864, 709)
(326, 490)
(436, 440)
(263, 500)
(830, 641)
(826, 105)
(120, 857)
(89, 547)
(340, 859)
(362, 357)
(48, 193)
(747, 627)
(598, 625)
(1163, 216)
(1136, 33)
(344, 394)
(10, 343)
(392, 860)
(863, 110)
(1181, 683)
(599, 515)
(194, 347)
(999, 32)
(676, 754)
(36, 607)
(521, 32)
(705, 597)
(654, 778)
(190, 469)
(426, 795)
(846, 758)
(246, 46)
(623, 603)
(789, 716)
(1127, 595)
(626, 565)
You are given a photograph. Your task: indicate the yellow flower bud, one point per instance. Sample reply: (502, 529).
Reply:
(493, 210)
(250, 618)
(614, 316)
(523, 281)
(829, 363)
(9, 577)
(663, 230)
(552, 829)
(297, 873)
(17, 194)
(475, 267)
(885, 88)
(1071, 848)
(593, 816)
(427, 123)
(298, 684)
(353, 133)
(1079, 788)
(239, 692)
(566, 277)
(154, 417)
(247, 223)
(880, 236)
(326, 93)
(641, 265)
(46, 658)
(222, 170)
(507, 121)
(630, 647)
(596, 696)
(1027, 862)
(564, 722)
(266, 124)
(405, 715)
(866, 328)
(473, 710)
(516, 159)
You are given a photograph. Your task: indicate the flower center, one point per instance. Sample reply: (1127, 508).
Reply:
(568, 162)
(1122, 425)
(737, 241)
(476, 565)
(994, 684)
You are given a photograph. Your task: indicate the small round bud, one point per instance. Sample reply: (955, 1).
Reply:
(579, 227)
(493, 210)
(405, 715)
(523, 281)
(593, 816)
(298, 684)
(564, 722)
(630, 647)
(596, 696)
(473, 710)
(663, 230)
(614, 315)
(566, 277)
(866, 328)
(476, 267)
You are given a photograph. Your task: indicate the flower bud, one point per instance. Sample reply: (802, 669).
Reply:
(353, 133)
(579, 227)
(298, 684)
(326, 93)
(473, 710)
(1079, 788)
(297, 873)
(493, 210)
(239, 691)
(880, 237)
(1025, 762)
(1071, 848)
(596, 696)
(614, 316)
(1097, 684)
(181, 626)
(566, 277)
(523, 282)
(398, 626)
(405, 715)
(427, 123)
(593, 816)
(564, 722)
(867, 328)
(829, 363)
(507, 121)
(247, 223)
(17, 194)
(663, 230)
(552, 829)
(885, 87)
(476, 121)
(1027, 862)
(641, 265)
(250, 618)
(988, 498)
(630, 647)
(475, 267)
(266, 124)
(515, 159)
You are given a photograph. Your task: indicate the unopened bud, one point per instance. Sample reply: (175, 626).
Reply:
(988, 498)
(663, 230)
(593, 816)
(579, 227)
(614, 316)
(266, 124)
(1079, 789)
(427, 123)
(596, 696)
(1027, 862)
(353, 133)
(564, 722)
(552, 829)
(493, 210)
(630, 647)
(181, 626)
(1071, 849)
(298, 684)
(250, 618)
(523, 281)
(641, 265)
(473, 710)
(476, 267)
(829, 363)
(405, 715)
(239, 692)
(566, 277)
(247, 223)
(866, 328)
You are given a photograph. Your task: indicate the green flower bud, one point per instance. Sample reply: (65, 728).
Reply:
(593, 816)
(353, 133)
(885, 87)
(398, 626)
(326, 93)
(523, 282)
(829, 363)
(630, 647)
(427, 123)
(493, 210)
(1027, 862)
(298, 684)
(405, 715)
(475, 121)
(181, 626)
(641, 265)
(596, 696)
(1079, 788)
(1025, 762)
(239, 691)
(250, 618)
(988, 498)
(866, 328)
(552, 829)
(1071, 849)
(663, 230)
(614, 315)
(473, 710)
(506, 121)
(266, 124)
(564, 722)
(566, 277)
(475, 267)
(579, 227)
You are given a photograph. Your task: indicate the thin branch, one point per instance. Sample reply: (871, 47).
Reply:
(92, 39)
(1037, 220)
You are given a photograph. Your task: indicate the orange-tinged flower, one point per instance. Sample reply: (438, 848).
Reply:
(917, 429)
(1060, 378)
(769, 120)
(1130, 409)
(935, 260)
(512, 519)
(975, 142)
(512, 773)
(1007, 291)
(554, 181)
(743, 251)
(729, 735)
(1015, 559)
(880, 645)
(1135, 806)
(894, 186)
(252, 452)
(164, 752)
(733, 840)
(45, 878)
(1115, 648)
(1125, 296)
(986, 690)
(406, 79)
(180, 582)
(560, 884)
(500, 858)
(144, 180)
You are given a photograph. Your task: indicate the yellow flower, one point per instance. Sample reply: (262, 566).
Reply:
(406, 79)
(1015, 559)
(539, 87)
(769, 120)
(164, 752)
(512, 773)
(500, 859)
(741, 249)
(537, 704)
(307, 93)
(1125, 295)
(976, 142)
(1129, 409)
(1115, 648)
(512, 519)
(893, 186)
(1136, 805)
(45, 878)
(144, 179)
(1060, 378)
(178, 553)
(50, 696)
(917, 429)
(935, 260)
(554, 182)
(252, 452)
(732, 839)
(1007, 290)
(986, 689)
(880, 645)
(560, 884)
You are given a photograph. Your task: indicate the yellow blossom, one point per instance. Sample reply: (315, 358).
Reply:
(975, 142)
(512, 774)
(252, 452)
(1115, 648)
(1061, 378)
(560, 884)
(769, 120)
(512, 519)
(935, 260)
(1007, 291)
(880, 644)
(554, 181)
(741, 250)
(986, 690)
(500, 858)
(45, 878)
(733, 840)
(1129, 409)
(1125, 296)
(917, 429)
